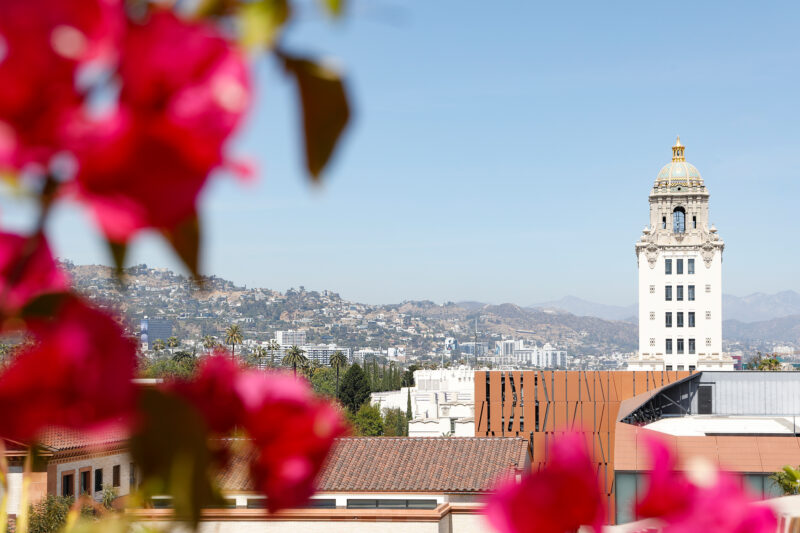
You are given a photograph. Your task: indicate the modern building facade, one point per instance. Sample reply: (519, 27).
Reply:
(680, 276)
(744, 422)
(152, 329)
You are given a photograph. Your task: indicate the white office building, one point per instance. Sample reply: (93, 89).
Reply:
(291, 337)
(321, 353)
(680, 276)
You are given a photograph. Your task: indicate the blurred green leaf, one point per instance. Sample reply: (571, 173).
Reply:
(334, 7)
(171, 449)
(185, 240)
(44, 306)
(325, 109)
(261, 22)
(118, 252)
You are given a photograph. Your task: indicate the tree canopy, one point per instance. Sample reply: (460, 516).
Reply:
(355, 388)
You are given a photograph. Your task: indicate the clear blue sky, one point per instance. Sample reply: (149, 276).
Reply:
(504, 152)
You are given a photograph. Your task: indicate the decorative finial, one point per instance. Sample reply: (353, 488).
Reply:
(677, 150)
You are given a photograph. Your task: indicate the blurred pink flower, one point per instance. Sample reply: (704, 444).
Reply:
(562, 496)
(291, 429)
(27, 269)
(77, 374)
(184, 90)
(42, 42)
(719, 507)
(669, 492)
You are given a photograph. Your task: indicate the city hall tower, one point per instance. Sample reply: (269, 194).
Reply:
(680, 276)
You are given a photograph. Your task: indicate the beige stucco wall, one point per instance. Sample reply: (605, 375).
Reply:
(257, 526)
(106, 462)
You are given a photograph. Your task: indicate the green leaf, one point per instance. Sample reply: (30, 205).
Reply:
(44, 306)
(325, 109)
(118, 252)
(334, 7)
(171, 449)
(185, 240)
(261, 22)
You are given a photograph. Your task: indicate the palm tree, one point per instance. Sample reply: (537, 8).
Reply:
(233, 336)
(173, 343)
(209, 342)
(338, 361)
(295, 356)
(158, 345)
(261, 354)
(272, 347)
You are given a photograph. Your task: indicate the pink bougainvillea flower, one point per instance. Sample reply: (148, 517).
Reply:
(293, 432)
(42, 43)
(718, 506)
(669, 492)
(291, 429)
(559, 498)
(77, 373)
(27, 269)
(212, 391)
(184, 90)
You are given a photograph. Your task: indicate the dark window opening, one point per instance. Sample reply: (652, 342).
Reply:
(679, 319)
(690, 293)
(68, 485)
(663, 222)
(115, 475)
(679, 348)
(85, 482)
(668, 347)
(668, 319)
(691, 346)
(690, 266)
(691, 319)
(679, 266)
(668, 293)
(132, 476)
(667, 266)
(704, 400)
(679, 293)
(694, 222)
(98, 480)
(679, 220)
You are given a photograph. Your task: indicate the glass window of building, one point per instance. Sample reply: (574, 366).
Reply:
(668, 346)
(668, 319)
(668, 293)
(679, 266)
(679, 346)
(679, 293)
(691, 346)
(690, 319)
(667, 266)
(690, 293)
(690, 266)
(679, 319)
(679, 220)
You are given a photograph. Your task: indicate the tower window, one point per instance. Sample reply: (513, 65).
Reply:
(668, 346)
(691, 319)
(652, 289)
(652, 341)
(708, 288)
(679, 293)
(679, 319)
(708, 315)
(668, 293)
(708, 341)
(668, 319)
(679, 220)
(690, 293)
(694, 222)
(667, 266)
(679, 266)
(663, 222)
(652, 315)
(690, 266)
(679, 346)
(691, 346)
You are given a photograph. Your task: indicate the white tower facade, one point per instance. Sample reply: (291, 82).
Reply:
(680, 276)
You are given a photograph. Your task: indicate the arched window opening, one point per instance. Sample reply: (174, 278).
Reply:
(679, 220)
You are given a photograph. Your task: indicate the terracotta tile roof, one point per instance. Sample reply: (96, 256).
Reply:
(405, 464)
(61, 439)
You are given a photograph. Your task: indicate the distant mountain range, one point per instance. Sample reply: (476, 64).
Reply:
(757, 307)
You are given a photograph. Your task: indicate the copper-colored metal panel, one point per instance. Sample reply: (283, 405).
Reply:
(559, 387)
(560, 411)
(480, 403)
(624, 382)
(495, 404)
(573, 392)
